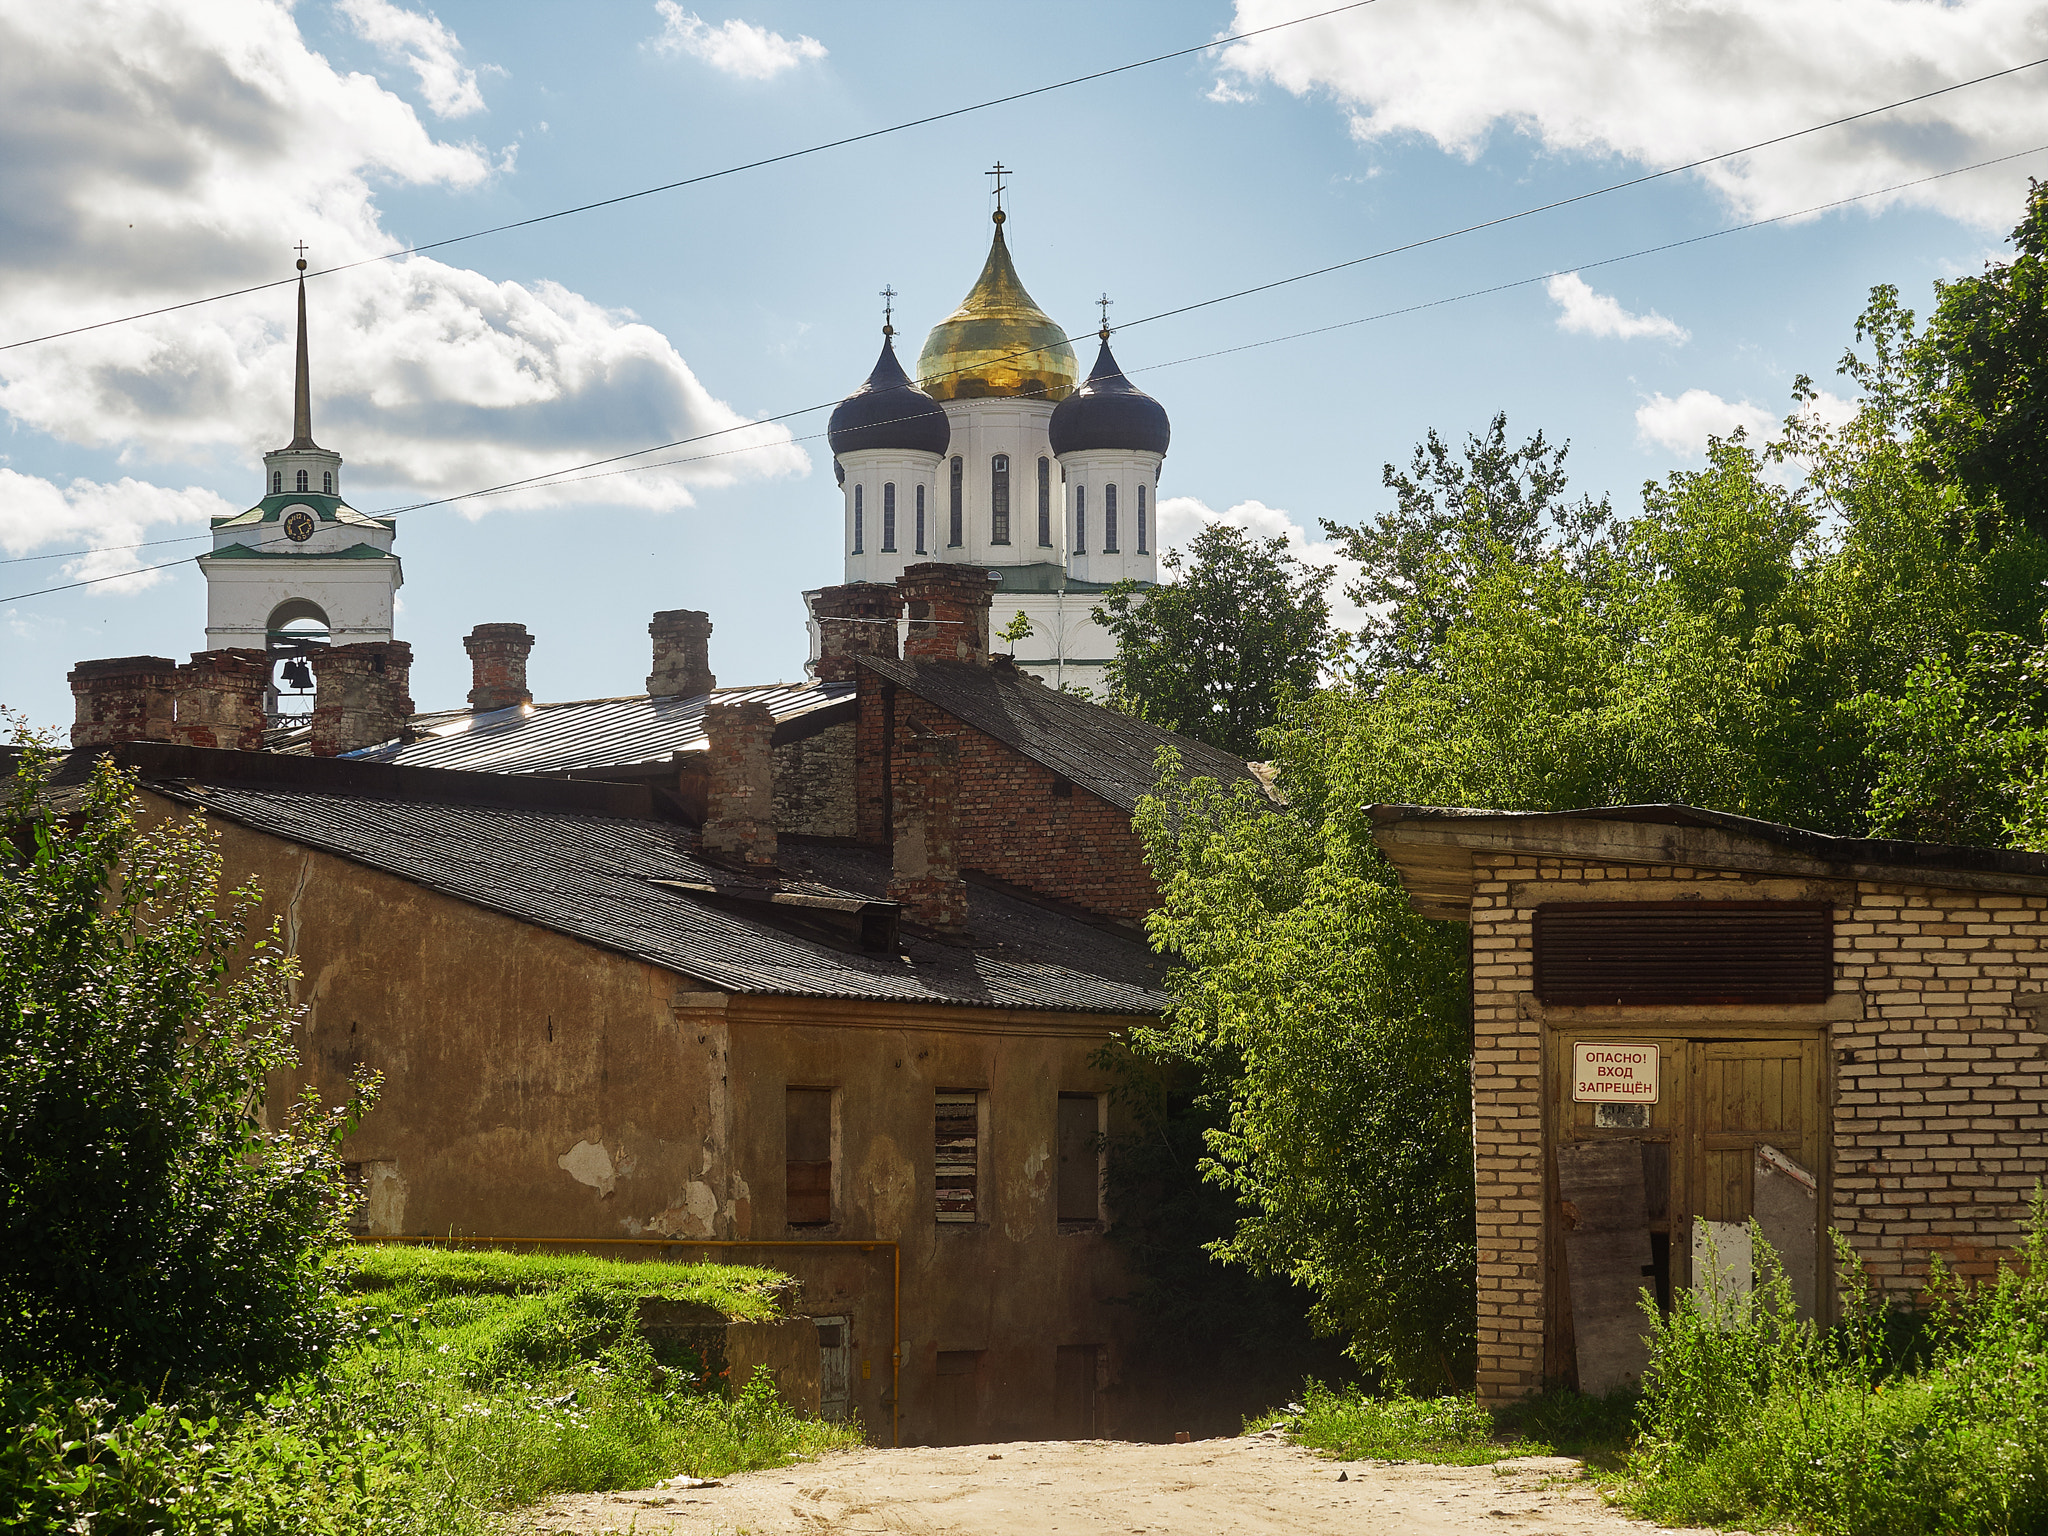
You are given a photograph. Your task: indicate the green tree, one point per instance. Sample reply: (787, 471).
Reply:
(157, 1228)
(1981, 376)
(1212, 652)
(1456, 517)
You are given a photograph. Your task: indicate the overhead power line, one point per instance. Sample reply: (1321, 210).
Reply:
(692, 181)
(562, 477)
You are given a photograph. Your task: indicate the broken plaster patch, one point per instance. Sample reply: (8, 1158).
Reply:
(588, 1163)
(692, 1216)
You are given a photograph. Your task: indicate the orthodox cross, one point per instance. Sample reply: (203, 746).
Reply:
(999, 173)
(301, 249)
(888, 309)
(1105, 301)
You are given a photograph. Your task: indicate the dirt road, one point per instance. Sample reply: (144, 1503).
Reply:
(1258, 1486)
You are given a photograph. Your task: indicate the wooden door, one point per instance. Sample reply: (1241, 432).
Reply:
(1753, 1099)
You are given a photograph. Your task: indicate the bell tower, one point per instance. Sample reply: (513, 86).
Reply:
(302, 569)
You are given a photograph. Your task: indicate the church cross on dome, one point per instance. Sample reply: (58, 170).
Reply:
(888, 309)
(1105, 301)
(999, 172)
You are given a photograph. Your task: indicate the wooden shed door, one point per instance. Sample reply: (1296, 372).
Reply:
(1758, 1144)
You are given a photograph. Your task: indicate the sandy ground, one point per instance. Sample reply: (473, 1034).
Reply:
(1259, 1486)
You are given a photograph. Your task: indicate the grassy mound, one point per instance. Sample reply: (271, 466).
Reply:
(471, 1382)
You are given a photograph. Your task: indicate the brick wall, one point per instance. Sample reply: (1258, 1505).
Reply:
(1940, 1119)
(1019, 821)
(814, 781)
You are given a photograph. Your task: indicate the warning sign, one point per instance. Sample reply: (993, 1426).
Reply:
(1604, 1072)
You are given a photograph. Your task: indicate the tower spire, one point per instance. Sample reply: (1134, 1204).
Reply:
(302, 388)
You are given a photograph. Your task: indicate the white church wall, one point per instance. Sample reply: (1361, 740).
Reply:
(1090, 476)
(869, 474)
(982, 430)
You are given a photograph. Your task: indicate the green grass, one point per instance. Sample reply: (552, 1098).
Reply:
(1353, 1425)
(473, 1382)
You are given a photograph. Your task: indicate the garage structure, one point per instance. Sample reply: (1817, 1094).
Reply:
(1683, 1020)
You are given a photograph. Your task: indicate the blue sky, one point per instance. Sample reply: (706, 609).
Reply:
(153, 154)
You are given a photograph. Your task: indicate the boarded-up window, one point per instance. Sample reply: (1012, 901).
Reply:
(808, 1190)
(1073, 1392)
(1080, 1183)
(1604, 953)
(956, 1154)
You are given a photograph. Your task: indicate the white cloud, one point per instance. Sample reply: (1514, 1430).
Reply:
(1682, 426)
(1182, 517)
(421, 41)
(1582, 310)
(171, 150)
(1666, 82)
(733, 47)
(34, 512)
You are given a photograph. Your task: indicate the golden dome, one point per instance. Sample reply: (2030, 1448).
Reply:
(997, 343)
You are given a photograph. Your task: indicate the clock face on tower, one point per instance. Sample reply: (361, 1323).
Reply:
(299, 525)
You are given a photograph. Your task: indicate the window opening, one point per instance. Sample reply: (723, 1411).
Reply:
(1080, 519)
(956, 1149)
(835, 1357)
(959, 490)
(327, 482)
(1075, 1377)
(1080, 1170)
(957, 1397)
(999, 499)
(277, 482)
(858, 509)
(1045, 502)
(807, 1187)
(1141, 519)
(920, 519)
(302, 479)
(889, 517)
(1109, 519)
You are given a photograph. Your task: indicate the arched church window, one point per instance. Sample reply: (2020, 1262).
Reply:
(277, 482)
(302, 479)
(999, 499)
(858, 511)
(1109, 519)
(327, 482)
(889, 518)
(1080, 519)
(956, 510)
(920, 519)
(1045, 502)
(1141, 519)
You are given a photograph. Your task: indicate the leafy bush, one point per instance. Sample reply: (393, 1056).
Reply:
(156, 1228)
(1453, 1430)
(1751, 1415)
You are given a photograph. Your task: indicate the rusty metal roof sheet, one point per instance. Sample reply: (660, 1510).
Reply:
(595, 878)
(1112, 755)
(590, 733)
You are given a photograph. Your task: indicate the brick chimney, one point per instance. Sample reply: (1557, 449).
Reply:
(858, 619)
(220, 700)
(497, 666)
(924, 872)
(682, 654)
(125, 698)
(739, 803)
(362, 695)
(948, 606)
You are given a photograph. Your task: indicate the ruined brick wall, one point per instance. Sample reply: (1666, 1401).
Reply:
(1935, 1042)
(814, 780)
(1019, 821)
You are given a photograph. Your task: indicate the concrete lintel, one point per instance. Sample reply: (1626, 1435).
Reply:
(707, 1002)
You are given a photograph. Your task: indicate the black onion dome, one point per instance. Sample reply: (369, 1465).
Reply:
(1109, 411)
(889, 412)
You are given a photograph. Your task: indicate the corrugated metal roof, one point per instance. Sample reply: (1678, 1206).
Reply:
(591, 733)
(1112, 755)
(594, 878)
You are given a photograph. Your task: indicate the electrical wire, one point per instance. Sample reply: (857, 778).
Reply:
(547, 482)
(692, 181)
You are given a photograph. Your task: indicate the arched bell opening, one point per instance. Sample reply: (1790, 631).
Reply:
(296, 629)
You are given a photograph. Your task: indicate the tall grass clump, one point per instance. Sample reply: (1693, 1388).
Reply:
(1751, 1415)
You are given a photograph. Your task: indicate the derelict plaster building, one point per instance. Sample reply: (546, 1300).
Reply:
(815, 975)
